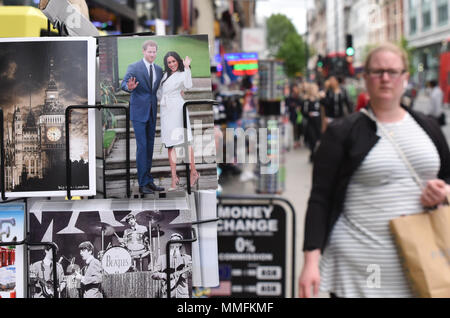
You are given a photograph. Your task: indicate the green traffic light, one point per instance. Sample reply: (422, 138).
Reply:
(319, 64)
(350, 51)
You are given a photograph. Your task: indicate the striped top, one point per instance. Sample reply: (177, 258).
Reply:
(361, 258)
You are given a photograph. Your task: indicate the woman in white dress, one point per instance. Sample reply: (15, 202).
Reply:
(176, 79)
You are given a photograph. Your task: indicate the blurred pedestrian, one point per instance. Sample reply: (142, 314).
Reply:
(428, 89)
(409, 95)
(294, 103)
(233, 109)
(322, 94)
(437, 101)
(312, 118)
(336, 102)
(360, 182)
(362, 101)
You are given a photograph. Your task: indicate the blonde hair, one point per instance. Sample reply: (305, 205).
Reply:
(311, 90)
(314, 89)
(305, 89)
(390, 47)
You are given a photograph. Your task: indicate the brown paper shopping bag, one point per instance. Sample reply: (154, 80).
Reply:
(423, 241)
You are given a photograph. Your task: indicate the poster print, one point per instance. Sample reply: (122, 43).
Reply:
(39, 78)
(157, 131)
(253, 251)
(12, 229)
(110, 249)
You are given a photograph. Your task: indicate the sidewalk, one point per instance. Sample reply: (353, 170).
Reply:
(422, 104)
(298, 185)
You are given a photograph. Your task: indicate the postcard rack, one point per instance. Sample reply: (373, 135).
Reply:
(127, 150)
(69, 180)
(2, 163)
(168, 244)
(184, 241)
(127, 112)
(27, 242)
(2, 150)
(186, 143)
(52, 245)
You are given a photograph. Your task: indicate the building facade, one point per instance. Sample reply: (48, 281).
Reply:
(336, 23)
(360, 30)
(368, 21)
(317, 32)
(377, 21)
(427, 28)
(393, 12)
(385, 19)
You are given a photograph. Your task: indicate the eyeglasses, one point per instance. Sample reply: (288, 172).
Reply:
(377, 73)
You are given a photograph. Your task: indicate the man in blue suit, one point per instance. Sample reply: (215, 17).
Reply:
(142, 81)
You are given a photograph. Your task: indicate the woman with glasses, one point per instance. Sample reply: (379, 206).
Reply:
(360, 183)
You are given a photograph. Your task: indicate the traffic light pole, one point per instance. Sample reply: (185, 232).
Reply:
(349, 49)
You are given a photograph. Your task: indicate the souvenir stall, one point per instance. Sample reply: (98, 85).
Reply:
(76, 218)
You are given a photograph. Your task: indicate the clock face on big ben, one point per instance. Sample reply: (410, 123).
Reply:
(53, 133)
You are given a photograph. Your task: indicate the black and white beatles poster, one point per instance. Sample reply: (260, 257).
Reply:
(111, 249)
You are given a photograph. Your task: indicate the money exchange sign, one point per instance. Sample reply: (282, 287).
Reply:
(252, 251)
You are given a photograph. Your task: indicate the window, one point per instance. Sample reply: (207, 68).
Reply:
(426, 15)
(412, 5)
(426, 20)
(442, 9)
(412, 25)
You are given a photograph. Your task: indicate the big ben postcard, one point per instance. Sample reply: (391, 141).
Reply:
(39, 79)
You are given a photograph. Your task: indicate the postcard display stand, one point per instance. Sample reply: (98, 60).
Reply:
(138, 264)
(271, 172)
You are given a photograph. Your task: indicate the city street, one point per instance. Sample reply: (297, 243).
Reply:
(422, 104)
(298, 184)
(184, 92)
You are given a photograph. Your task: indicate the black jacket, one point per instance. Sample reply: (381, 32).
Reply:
(293, 103)
(343, 147)
(310, 106)
(334, 105)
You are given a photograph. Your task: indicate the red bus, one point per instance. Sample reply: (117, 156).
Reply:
(338, 63)
(444, 71)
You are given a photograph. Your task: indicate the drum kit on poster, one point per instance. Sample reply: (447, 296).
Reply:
(134, 248)
(135, 251)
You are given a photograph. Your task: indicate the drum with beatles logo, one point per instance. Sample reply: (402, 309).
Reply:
(116, 260)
